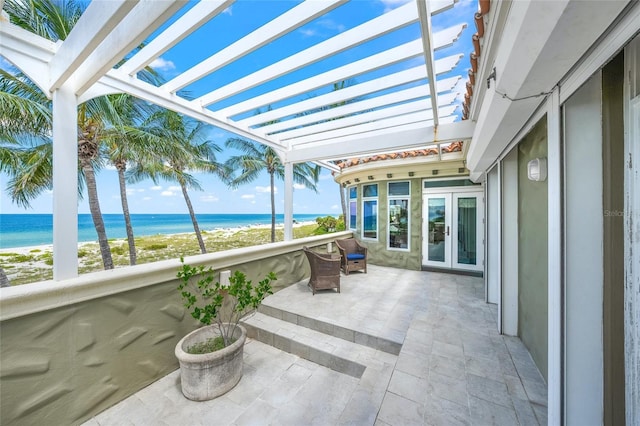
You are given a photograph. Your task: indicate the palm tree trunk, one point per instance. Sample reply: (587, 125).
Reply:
(96, 214)
(203, 249)
(273, 207)
(343, 202)
(4, 280)
(121, 167)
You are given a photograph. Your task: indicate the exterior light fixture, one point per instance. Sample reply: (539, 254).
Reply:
(389, 175)
(537, 169)
(370, 177)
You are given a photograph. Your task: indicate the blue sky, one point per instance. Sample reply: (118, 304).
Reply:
(166, 197)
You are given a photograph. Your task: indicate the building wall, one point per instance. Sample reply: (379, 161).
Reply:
(378, 252)
(64, 365)
(532, 249)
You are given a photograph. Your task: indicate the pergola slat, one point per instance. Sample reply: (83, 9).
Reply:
(377, 27)
(283, 24)
(373, 118)
(400, 138)
(195, 17)
(396, 116)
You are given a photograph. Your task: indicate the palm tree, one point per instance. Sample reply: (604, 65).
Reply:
(129, 144)
(257, 158)
(185, 149)
(26, 113)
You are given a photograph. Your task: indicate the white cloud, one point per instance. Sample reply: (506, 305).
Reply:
(248, 196)
(209, 198)
(156, 188)
(131, 191)
(228, 11)
(266, 189)
(335, 207)
(168, 193)
(174, 188)
(146, 199)
(298, 186)
(162, 64)
(308, 32)
(330, 24)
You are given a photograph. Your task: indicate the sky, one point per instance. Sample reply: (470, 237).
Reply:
(166, 197)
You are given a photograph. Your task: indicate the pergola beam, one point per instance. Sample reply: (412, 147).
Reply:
(401, 138)
(94, 26)
(145, 18)
(427, 42)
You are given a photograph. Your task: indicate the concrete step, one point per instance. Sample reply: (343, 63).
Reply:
(332, 329)
(324, 349)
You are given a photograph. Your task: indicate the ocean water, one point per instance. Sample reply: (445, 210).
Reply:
(23, 230)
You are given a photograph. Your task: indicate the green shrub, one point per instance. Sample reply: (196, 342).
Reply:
(19, 258)
(119, 250)
(155, 247)
(329, 224)
(35, 251)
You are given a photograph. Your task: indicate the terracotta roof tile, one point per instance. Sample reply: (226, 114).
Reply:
(453, 147)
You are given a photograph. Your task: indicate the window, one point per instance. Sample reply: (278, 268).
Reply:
(370, 211)
(353, 206)
(399, 215)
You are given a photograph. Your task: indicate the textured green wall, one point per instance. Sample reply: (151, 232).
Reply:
(62, 366)
(378, 253)
(532, 249)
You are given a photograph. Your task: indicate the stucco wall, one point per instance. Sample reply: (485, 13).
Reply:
(532, 249)
(63, 365)
(378, 253)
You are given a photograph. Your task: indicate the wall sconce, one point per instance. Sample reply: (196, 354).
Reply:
(357, 180)
(370, 177)
(434, 172)
(389, 175)
(537, 169)
(411, 174)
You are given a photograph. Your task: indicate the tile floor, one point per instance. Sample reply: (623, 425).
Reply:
(453, 367)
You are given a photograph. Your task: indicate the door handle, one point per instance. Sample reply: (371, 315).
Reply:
(447, 231)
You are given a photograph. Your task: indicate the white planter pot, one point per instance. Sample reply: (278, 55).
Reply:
(207, 376)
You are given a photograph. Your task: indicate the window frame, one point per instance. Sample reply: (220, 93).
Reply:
(376, 213)
(400, 197)
(353, 202)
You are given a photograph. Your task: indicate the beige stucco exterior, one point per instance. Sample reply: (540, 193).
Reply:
(63, 362)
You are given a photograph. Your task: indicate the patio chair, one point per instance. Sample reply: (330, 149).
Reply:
(325, 271)
(353, 256)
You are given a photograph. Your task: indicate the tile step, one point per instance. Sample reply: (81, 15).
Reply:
(335, 330)
(329, 351)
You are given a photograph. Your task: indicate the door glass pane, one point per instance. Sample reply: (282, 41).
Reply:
(437, 212)
(467, 211)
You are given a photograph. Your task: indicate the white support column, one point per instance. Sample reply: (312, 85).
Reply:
(65, 184)
(288, 201)
(555, 260)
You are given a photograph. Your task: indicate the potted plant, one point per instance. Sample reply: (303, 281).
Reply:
(211, 356)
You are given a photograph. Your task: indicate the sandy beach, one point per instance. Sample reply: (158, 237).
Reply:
(35, 263)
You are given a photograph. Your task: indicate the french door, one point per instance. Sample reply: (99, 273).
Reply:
(453, 230)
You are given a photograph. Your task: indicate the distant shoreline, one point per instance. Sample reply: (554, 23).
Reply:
(28, 230)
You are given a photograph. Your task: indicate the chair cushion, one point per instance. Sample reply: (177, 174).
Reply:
(355, 256)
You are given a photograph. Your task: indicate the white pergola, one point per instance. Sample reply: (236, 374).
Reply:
(410, 106)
